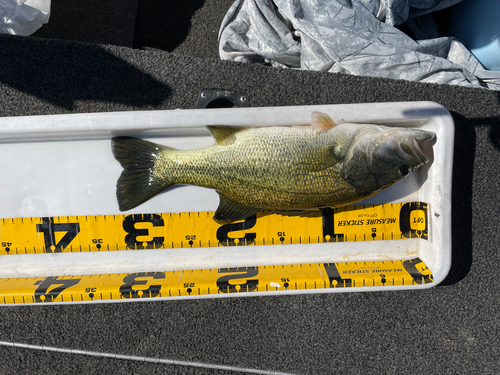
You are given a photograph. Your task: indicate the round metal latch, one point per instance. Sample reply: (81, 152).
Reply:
(222, 99)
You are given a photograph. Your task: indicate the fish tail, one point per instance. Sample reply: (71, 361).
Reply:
(140, 179)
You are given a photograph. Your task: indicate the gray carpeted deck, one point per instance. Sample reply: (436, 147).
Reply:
(449, 329)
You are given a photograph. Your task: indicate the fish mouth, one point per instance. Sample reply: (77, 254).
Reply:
(410, 145)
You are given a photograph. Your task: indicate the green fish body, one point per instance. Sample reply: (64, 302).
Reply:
(279, 168)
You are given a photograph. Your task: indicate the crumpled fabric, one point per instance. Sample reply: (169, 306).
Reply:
(356, 37)
(23, 17)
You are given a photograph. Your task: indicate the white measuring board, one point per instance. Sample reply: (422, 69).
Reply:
(62, 165)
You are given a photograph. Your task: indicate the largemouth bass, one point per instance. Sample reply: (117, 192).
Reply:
(280, 169)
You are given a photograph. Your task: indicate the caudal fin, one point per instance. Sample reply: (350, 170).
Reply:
(140, 179)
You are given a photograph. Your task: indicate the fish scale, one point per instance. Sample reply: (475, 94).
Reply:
(252, 172)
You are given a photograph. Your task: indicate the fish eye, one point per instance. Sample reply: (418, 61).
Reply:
(404, 170)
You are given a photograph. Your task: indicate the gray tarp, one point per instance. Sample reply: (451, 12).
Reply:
(350, 36)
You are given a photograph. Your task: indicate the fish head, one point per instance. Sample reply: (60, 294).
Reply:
(379, 156)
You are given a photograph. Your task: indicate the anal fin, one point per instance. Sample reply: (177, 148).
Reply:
(293, 212)
(230, 210)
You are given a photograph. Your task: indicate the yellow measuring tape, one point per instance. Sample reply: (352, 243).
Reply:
(154, 231)
(123, 286)
(184, 230)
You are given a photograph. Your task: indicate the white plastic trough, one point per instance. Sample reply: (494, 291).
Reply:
(62, 165)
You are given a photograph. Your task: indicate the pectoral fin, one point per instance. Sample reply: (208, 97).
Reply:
(229, 210)
(320, 158)
(221, 132)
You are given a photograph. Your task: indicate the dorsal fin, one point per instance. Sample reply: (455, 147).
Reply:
(321, 121)
(221, 132)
